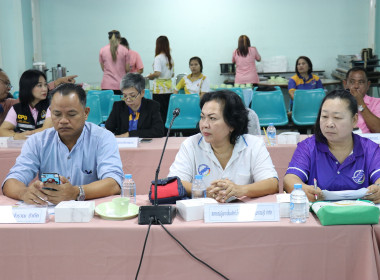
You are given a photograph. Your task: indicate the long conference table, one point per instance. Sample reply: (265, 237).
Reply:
(142, 161)
(104, 249)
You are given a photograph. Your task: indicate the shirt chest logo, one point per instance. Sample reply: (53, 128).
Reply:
(359, 177)
(204, 169)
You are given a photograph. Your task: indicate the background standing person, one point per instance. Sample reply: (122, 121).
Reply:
(196, 82)
(114, 62)
(163, 68)
(135, 63)
(244, 57)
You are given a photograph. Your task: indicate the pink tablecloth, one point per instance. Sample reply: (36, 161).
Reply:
(105, 249)
(142, 162)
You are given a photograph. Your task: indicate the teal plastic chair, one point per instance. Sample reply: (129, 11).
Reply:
(105, 99)
(306, 105)
(181, 91)
(148, 94)
(190, 111)
(16, 94)
(269, 107)
(238, 91)
(95, 116)
(114, 98)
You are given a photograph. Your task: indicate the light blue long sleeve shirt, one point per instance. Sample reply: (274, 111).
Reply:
(94, 157)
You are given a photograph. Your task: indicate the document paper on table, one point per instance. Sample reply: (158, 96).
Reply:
(344, 195)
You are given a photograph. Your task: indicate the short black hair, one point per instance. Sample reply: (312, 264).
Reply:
(199, 61)
(29, 79)
(356, 69)
(66, 89)
(234, 112)
(308, 61)
(341, 94)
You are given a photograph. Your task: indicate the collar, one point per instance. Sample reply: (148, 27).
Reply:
(240, 145)
(79, 140)
(199, 78)
(357, 151)
(302, 78)
(131, 112)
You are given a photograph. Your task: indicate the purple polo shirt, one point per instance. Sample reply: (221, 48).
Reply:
(313, 159)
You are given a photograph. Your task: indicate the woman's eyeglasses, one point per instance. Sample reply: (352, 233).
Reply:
(131, 97)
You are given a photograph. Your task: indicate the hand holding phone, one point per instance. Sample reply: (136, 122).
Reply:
(50, 178)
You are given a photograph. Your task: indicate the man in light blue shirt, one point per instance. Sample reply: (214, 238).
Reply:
(84, 155)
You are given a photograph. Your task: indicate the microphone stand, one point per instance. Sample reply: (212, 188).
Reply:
(159, 213)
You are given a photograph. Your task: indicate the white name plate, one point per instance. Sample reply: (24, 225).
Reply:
(241, 212)
(23, 215)
(130, 142)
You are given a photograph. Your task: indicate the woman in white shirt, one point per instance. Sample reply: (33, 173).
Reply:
(163, 68)
(196, 82)
(232, 162)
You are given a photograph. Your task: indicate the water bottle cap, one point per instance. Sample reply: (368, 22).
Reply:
(199, 177)
(271, 124)
(298, 186)
(128, 176)
(102, 125)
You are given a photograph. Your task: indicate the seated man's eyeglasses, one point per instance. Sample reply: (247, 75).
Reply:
(7, 84)
(131, 97)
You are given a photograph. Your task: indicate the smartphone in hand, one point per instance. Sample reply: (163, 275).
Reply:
(50, 178)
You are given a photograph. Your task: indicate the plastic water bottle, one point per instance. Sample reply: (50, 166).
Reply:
(129, 188)
(271, 131)
(198, 189)
(299, 205)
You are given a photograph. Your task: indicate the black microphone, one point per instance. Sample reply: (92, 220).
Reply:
(163, 213)
(176, 112)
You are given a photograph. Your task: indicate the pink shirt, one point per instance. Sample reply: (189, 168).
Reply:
(246, 72)
(135, 62)
(12, 116)
(113, 71)
(373, 105)
(7, 105)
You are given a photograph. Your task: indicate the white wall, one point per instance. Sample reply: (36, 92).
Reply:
(73, 31)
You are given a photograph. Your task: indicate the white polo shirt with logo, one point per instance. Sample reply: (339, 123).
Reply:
(250, 161)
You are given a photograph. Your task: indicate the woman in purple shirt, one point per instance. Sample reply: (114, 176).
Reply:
(334, 156)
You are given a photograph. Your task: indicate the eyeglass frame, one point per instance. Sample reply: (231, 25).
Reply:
(7, 84)
(130, 97)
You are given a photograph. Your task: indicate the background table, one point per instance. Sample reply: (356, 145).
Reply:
(142, 162)
(110, 250)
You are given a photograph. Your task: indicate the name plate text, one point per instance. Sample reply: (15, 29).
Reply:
(241, 212)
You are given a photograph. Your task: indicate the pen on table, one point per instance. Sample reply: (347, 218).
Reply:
(315, 187)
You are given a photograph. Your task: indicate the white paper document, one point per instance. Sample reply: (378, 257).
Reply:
(343, 195)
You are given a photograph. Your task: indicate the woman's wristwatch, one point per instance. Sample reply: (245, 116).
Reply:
(81, 196)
